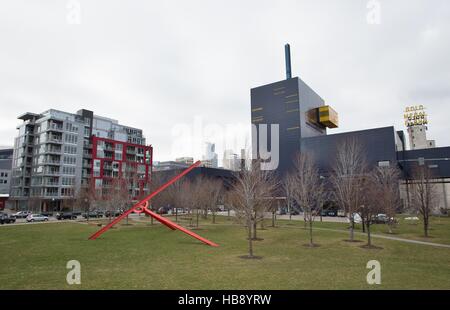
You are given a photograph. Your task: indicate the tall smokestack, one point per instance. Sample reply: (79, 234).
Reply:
(287, 53)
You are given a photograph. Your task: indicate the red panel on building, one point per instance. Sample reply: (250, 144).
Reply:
(112, 159)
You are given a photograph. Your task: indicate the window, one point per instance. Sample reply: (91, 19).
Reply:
(72, 139)
(70, 160)
(98, 183)
(68, 149)
(384, 163)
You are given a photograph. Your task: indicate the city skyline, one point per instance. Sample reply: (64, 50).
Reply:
(155, 75)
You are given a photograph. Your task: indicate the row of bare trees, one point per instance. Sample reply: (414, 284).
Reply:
(199, 197)
(351, 184)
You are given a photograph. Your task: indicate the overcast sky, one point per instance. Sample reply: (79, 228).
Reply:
(168, 66)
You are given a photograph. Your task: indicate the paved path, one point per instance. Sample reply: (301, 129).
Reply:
(386, 237)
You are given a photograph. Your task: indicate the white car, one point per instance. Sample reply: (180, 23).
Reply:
(356, 218)
(37, 218)
(21, 214)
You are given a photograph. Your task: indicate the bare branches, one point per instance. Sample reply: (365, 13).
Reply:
(423, 194)
(348, 178)
(251, 195)
(308, 189)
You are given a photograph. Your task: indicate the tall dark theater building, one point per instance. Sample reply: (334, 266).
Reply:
(304, 120)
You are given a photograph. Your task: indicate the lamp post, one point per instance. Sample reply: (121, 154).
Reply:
(321, 177)
(86, 208)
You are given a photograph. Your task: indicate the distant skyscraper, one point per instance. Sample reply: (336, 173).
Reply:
(231, 161)
(185, 160)
(210, 158)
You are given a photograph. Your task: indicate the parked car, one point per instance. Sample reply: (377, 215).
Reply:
(66, 216)
(295, 212)
(113, 213)
(328, 213)
(332, 213)
(383, 219)
(37, 218)
(281, 211)
(163, 210)
(21, 214)
(6, 219)
(90, 214)
(357, 218)
(341, 213)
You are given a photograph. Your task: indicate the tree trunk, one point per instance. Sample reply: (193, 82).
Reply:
(254, 230)
(273, 218)
(352, 227)
(198, 215)
(390, 228)
(250, 244)
(363, 223)
(176, 214)
(369, 240)
(425, 226)
(310, 233)
(214, 217)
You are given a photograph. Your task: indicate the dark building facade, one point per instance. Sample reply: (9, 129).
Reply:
(285, 103)
(303, 118)
(380, 146)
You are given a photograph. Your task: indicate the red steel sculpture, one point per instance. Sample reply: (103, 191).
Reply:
(142, 206)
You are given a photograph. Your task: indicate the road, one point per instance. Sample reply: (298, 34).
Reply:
(333, 219)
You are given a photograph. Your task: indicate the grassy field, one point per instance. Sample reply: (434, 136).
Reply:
(144, 256)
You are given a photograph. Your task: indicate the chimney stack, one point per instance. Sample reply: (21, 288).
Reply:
(287, 53)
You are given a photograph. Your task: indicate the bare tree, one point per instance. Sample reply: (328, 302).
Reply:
(116, 195)
(371, 206)
(385, 182)
(288, 185)
(34, 204)
(85, 197)
(250, 196)
(423, 195)
(212, 192)
(308, 190)
(347, 179)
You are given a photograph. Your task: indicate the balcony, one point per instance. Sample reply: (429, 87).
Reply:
(54, 140)
(86, 165)
(50, 172)
(52, 162)
(55, 127)
(52, 150)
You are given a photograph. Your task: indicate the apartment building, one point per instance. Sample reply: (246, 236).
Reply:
(56, 153)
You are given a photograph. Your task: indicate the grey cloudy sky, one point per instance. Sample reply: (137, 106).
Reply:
(158, 64)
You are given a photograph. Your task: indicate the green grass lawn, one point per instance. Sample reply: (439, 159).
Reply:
(439, 231)
(141, 256)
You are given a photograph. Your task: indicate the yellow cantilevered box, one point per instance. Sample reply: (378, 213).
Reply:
(328, 117)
